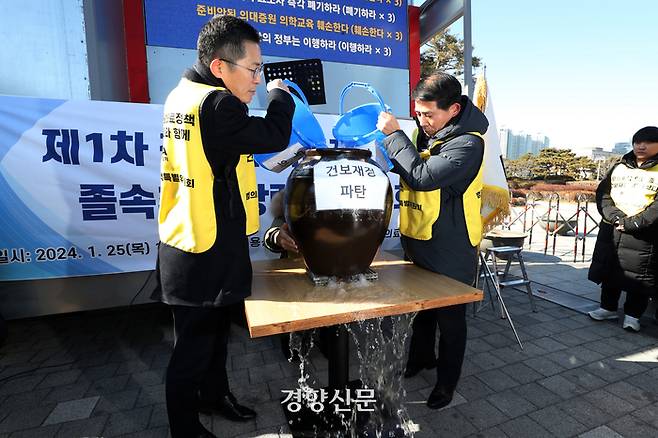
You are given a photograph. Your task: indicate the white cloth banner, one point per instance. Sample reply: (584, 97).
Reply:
(79, 188)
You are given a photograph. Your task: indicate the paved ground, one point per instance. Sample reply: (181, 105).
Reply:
(101, 373)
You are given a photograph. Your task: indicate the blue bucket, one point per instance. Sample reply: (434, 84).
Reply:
(306, 131)
(358, 126)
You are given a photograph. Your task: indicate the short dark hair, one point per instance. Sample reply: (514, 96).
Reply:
(442, 88)
(648, 134)
(223, 37)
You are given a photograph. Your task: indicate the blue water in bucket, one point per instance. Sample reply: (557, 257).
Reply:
(358, 126)
(306, 130)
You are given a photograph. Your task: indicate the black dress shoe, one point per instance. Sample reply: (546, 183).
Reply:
(413, 369)
(228, 407)
(439, 398)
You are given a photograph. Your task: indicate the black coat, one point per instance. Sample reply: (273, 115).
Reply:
(451, 168)
(221, 275)
(626, 259)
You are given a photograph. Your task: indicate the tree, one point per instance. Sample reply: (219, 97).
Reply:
(520, 167)
(561, 163)
(444, 52)
(604, 166)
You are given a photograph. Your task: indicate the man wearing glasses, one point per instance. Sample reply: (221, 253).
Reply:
(208, 206)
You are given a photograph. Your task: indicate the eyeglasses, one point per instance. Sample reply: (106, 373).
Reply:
(255, 72)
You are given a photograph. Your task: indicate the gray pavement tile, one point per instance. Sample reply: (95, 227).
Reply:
(524, 426)
(487, 361)
(22, 400)
(644, 381)
(108, 385)
(510, 403)
(574, 357)
(67, 392)
(99, 372)
(482, 414)
(521, 373)
(609, 402)
(162, 360)
(60, 378)
(247, 360)
(132, 366)
(37, 432)
(25, 418)
(116, 402)
(605, 347)
(20, 384)
(414, 403)
(600, 432)
(92, 359)
(473, 332)
(584, 411)
(472, 388)
(544, 366)
(499, 340)
(629, 426)
(159, 416)
(254, 394)
(648, 414)
(72, 410)
(160, 432)
(470, 367)
(89, 427)
(605, 371)
(265, 373)
(270, 413)
(619, 362)
(492, 432)
(451, 423)
(561, 386)
(536, 394)
(422, 427)
(557, 421)
(17, 358)
(638, 397)
(549, 344)
(150, 395)
(497, 380)
(127, 421)
(584, 379)
(478, 345)
(146, 378)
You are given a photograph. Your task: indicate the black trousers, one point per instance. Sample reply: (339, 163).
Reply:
(634, 306)
(197, 366)
(451, 321)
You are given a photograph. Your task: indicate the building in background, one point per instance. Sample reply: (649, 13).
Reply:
(621, 148)
(515, 145)
(598, 154)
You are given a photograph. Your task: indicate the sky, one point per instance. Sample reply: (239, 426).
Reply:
(582, 72)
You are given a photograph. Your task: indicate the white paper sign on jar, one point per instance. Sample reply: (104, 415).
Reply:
(348, 184)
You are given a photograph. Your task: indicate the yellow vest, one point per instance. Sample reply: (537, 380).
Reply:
(633, 190)
(187, 211)
(419, 210)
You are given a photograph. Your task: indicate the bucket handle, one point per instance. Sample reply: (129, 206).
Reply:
(299, 91)
(361, 85)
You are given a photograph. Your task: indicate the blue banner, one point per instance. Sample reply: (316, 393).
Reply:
(369, 32)
(80, 182)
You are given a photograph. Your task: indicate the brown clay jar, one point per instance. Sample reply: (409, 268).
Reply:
(338, 205)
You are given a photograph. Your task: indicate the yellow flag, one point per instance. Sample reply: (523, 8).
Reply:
(495, 191)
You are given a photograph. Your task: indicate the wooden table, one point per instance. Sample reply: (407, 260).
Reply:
(284, 299)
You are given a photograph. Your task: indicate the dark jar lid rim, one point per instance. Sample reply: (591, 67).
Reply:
(337, 152)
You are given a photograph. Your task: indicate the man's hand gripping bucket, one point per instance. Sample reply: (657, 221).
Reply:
(306, 134)
(357, 128)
